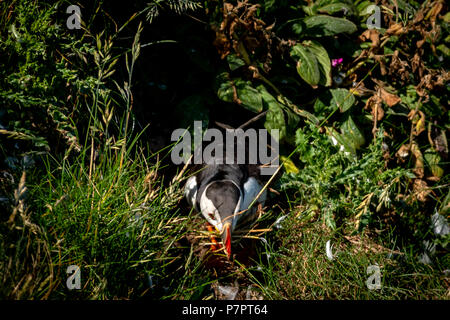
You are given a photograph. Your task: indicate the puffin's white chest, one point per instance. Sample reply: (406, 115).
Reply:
(250, 190)
(190, 190)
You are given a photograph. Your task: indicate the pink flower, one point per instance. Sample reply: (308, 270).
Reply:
(336, 62)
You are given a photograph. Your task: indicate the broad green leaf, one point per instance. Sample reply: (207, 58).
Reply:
(266, 96)
(342, 98)
(361, 7)
(322, 25)
(324, 61)
(323, 105)
(307, 64)
(289, 106)
(234, 62)
(308, 10)
(224, 86)
(275, 115)
(352, 134)
(291, 119)
(249, 97)
(336, 8)
(275, 120)
(298, 28)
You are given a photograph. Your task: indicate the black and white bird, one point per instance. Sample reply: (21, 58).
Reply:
(223, 193)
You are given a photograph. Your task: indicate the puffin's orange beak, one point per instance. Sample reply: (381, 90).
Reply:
(226, 238)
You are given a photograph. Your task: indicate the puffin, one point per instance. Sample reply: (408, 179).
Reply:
(222, 193)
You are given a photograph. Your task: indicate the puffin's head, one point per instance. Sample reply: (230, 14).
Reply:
(219, 205)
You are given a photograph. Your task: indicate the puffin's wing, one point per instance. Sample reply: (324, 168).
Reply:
(251, 189)
(190, 190)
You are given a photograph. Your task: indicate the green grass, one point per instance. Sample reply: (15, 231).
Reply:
(295, 266)
(101, 205)
(95, 198)
(116, 224)
(91, 220)
(116, 218)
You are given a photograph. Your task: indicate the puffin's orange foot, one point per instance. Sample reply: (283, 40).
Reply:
(215, 244)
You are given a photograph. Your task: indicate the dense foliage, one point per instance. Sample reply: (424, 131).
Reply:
(358, 90)
(320, 72)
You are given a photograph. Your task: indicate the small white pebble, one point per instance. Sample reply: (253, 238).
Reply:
(328, 250)
(277, 223)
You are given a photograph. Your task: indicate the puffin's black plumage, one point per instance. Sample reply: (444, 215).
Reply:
(223, 193)
(225, 197)
(220, 172)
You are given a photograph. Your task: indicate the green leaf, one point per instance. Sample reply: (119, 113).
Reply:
(224, 86)
(433, 159)
(320, 109)
(447, 17)
(308, 10)
(342, 98)
(444, 49)
(307, 64)
(298, 28)
(249, 97)
(352, 134)
(323, 105)
(324, 61)
(289, 165)
(275, 116)
(305, 148)
(322, 25)
(335, 8)
(340, 140)
(279, 116)
(268, 99)
(361, 7)
(329, 218)
(275, 120)
(234, 62)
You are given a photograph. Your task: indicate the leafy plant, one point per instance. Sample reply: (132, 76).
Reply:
(363, 122)
(331, 84)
